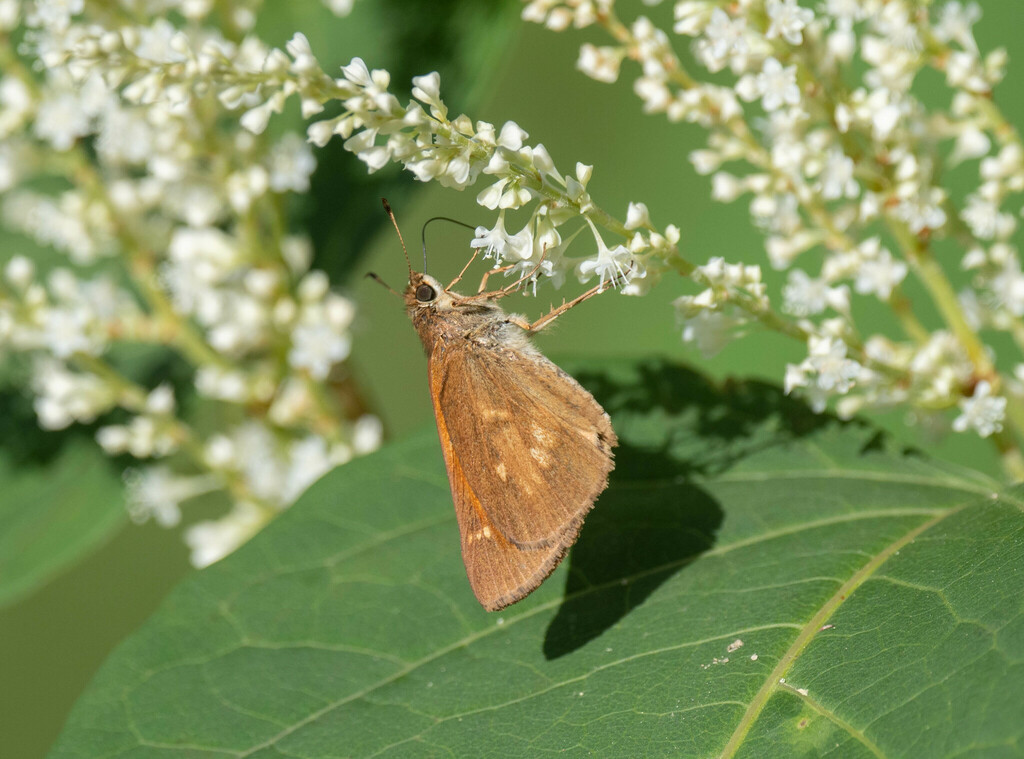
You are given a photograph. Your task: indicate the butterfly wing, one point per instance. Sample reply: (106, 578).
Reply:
(528, 450)
(499, 572)
(536, 447)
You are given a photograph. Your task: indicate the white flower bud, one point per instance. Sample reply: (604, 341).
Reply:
(511, 136)
(160, 400)
(427, 88)
(313, 286)
(19, 271)
(367, 434)
(262, 283)
(320, 132)
(113, 439)
(637, 216)
(219, 452)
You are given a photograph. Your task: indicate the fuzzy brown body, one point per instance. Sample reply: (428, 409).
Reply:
(527, 449)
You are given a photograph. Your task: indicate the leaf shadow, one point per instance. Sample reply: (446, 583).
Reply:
(22, 442)
(25, 443)
(675, 427)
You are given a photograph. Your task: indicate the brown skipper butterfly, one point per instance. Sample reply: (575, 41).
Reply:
(527, 448)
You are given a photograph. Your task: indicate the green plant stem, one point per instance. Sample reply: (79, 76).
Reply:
(837, 239)
(941, 291)
(140, 263)
(130, 395)
(908, 320)
(938, 286)
(924, 266)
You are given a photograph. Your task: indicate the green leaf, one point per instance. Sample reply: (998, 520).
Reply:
(54, 508)
(61, 496)
(877, 595)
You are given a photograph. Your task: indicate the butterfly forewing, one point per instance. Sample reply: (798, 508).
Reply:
(541, 444)
(500, 573)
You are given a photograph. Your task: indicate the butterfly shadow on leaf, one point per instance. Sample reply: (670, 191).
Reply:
(676, 429)
(636, 538)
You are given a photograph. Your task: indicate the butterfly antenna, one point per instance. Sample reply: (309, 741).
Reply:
(423, 233)
(380, 281)
(391, 215)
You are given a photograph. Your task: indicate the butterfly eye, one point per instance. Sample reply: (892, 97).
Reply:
(425, 293)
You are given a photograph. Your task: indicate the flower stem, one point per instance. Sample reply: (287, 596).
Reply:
(935, 281)
(908, 320)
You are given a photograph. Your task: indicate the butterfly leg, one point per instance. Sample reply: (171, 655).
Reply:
(483, 281)
(556, 312)
(508, 289)
(456, 280)
(619, 279)
(518, 321)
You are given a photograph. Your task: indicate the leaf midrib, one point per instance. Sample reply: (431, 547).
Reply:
(814, 626)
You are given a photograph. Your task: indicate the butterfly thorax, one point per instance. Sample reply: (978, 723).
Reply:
(447, 319)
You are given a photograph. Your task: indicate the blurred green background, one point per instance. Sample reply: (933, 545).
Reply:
(52, 642)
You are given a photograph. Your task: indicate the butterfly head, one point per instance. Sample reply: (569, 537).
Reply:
(425, 292)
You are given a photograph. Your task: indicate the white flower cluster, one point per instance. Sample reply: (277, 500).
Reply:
(167, 69)
(168, 230)
(734, 294)
(824, 131)
(456, 151)
(826, 371)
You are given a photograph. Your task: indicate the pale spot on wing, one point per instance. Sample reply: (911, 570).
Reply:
(543, 437)
(491, 414)
(541, 457)
(471, 537)
(501, 472)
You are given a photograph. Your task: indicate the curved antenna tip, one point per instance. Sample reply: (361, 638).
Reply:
(378, 280)
(391, 216)
(423, 232)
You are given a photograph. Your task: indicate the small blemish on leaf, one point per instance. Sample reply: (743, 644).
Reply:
(714, 661)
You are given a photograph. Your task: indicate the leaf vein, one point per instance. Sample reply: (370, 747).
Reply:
(815, 623)
(838, 721)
